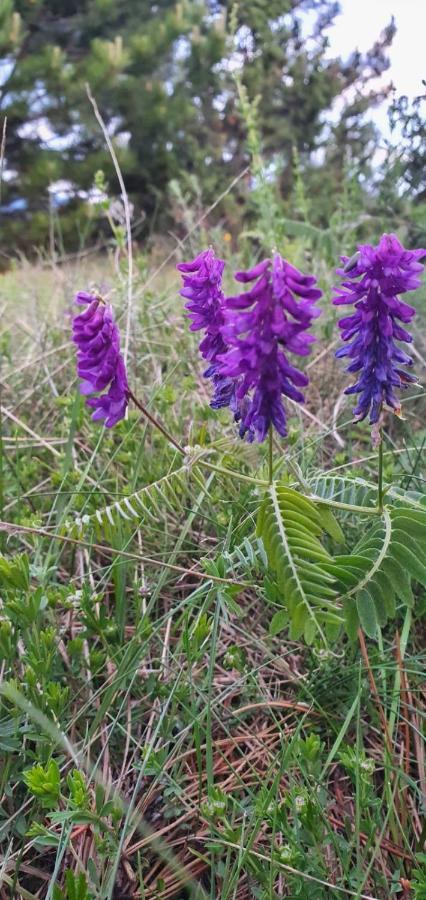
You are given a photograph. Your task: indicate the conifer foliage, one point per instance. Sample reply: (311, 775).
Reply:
(161, 77)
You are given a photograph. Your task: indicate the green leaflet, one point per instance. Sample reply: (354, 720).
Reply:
(351, 618)
(411, 523)
(409, 560)
(388, 593)
(278, 622)
(309, 631)
(400, 579)
(290, 527)
(298, 620)
(330, 524)
(376, 594)
(367, 613)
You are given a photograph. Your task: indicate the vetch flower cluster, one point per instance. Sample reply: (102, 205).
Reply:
(262, 326)
(247, 350)
(372, 280)
(100, 364)
(247, 338)
(202, 287)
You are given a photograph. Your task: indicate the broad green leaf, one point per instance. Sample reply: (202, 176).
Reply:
(278, 622)
(345, 575)
(309, 631)
(414, 515)
(298, 621)
(405, 522)
(388, 592)
(332, 630)
(354, 561)
(400, 580)
(374, 589)
(366, 613)
(409, 562)
(330, 524)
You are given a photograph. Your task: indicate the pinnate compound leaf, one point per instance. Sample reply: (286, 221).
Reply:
(344, 489)
(290, 527)
(375, 591)
(146, 504)
(390, 554)
(388, 557)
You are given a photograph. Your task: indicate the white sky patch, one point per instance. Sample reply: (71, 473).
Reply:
(358, 27)
(360, 23)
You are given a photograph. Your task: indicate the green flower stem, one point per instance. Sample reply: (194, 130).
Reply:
(348, 507)
(271, 455)
(200, 462)
(157, 424)
(380, 478)
(231, 473)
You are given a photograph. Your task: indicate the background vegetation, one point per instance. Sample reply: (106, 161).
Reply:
(168, 79)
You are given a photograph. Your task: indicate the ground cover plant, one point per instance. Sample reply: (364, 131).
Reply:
(212, 595)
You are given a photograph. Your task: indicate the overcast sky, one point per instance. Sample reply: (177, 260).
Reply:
(360, 23)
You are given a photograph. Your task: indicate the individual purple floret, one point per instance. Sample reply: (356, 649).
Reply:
(100, 364)
(372, 280)
(202, 288)
(274, 322)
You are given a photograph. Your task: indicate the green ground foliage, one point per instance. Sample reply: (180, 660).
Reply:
(162, 732)
(188, 707)
(163, 76)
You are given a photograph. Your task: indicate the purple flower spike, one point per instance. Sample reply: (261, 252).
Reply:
(202, 288)
(372, 280)
(262, 325)
(100, 364)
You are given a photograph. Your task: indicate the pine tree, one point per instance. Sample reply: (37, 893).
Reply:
(408, 118)
(162, 77)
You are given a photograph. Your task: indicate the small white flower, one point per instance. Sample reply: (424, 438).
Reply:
(300, 802)
(368, 765)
